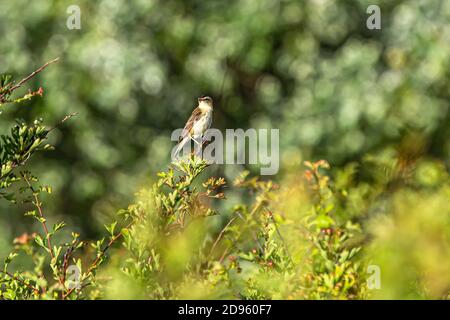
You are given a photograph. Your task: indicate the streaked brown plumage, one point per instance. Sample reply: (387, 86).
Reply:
(199, 121)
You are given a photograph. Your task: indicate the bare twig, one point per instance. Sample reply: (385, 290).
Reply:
(67, 117)
(222, 257)
(21, 82)
(221, 234)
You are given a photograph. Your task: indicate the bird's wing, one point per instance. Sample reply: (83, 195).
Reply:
(196, 114)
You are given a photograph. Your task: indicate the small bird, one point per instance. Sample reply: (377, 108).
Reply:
(199, 121)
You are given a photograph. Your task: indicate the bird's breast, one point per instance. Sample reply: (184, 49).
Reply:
(203, 123)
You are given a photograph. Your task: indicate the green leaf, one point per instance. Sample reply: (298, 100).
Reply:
(58, 226)
(10, 257)
(323, 221)
(31, 213)
(111, 228)
(38, 239)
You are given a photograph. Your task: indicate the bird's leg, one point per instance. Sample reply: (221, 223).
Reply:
(196, 142)
(198, 148)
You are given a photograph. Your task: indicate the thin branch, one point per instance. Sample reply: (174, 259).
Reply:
(221, 234)
(36, 291)
(17, 164)
(110, 243)
(37, 204)
(67, 117)
(254, 210)
(279, 233)
(222, 257)
(21, 82)
(96, 262)
(66, 259)
(251, 231)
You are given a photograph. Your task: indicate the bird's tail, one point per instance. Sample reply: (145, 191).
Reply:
(180, 146)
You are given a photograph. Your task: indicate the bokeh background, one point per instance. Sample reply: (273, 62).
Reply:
(336, 90)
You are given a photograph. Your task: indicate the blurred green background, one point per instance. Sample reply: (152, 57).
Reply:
(335, 89)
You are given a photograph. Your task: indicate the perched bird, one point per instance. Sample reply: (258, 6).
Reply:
(199, 121)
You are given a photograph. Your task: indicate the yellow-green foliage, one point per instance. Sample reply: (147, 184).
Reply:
(315, 235)
(312, 236)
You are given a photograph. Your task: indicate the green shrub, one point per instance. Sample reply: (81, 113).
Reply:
(313, 234)
(49, 277)
(174, 251)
